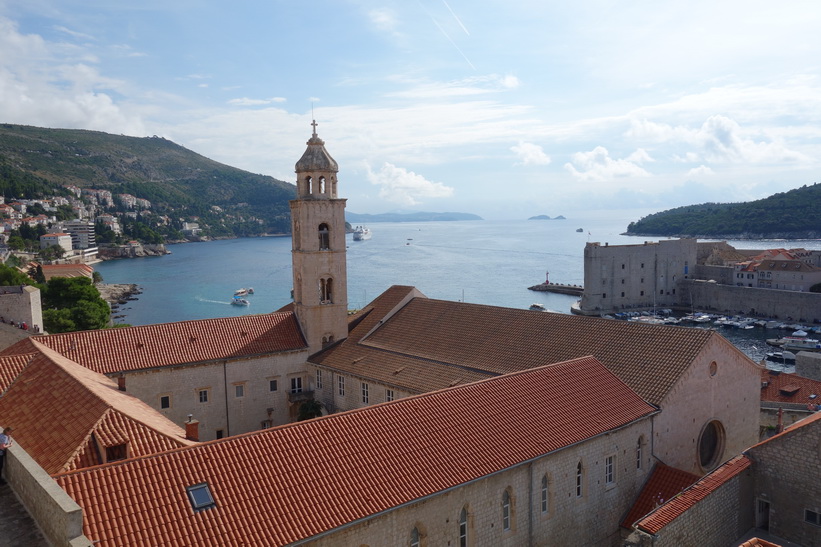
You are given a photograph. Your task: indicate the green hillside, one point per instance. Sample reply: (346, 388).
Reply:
(37, 162)
(789, 215)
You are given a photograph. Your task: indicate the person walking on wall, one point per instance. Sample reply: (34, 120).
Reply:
(5, 442)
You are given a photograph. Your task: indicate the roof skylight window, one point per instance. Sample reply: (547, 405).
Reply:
(200, 496)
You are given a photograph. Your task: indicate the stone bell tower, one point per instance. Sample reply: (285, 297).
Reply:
(318, 248)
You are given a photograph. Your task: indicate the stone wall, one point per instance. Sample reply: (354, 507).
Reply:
(718, 520)
(59, 518)
(22, 304)
(808, 365)
(225, 410)
(590, 519)
(800, 306)
(332, 401)
(787, 475)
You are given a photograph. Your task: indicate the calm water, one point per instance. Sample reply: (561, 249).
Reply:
(484, 262)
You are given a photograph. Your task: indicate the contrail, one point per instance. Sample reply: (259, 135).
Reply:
(452, 42)
(456, 17)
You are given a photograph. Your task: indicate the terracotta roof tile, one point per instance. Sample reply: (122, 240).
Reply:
(10, 368)
(664, 483)
(63, 413)
(133, 348)
(758, 542)
(284, 484)
(428, 344)
(667, 513)
(783, 387)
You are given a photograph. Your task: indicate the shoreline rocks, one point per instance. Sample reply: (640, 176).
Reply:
(117, 293)
(132, 250)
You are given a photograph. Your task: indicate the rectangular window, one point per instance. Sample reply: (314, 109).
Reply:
(203, 395)
(364, 392)
(272, 385)
(200, 497)
(165, 401)
(116, 452)
(812, 517)
(220, 434)
(341, 386)
(609, 471)
(296, 385)
(318, 379)
(239, 390)
(389, 395)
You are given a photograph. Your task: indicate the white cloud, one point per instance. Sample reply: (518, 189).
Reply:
(398, 185)
(530, 154)
(598, 166)
(246, 101)
(700, 172)
(72, 33)
(476, 85)
(384, 20)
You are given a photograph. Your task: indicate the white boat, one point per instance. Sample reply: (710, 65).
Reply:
(244, 291)
(361, 233)
(537, 307)
(239, 301)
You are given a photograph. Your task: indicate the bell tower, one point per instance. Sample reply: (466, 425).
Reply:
(318, 248)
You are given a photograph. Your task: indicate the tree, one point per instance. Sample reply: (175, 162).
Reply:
(309, 410)
(12, 276)
(73, 303)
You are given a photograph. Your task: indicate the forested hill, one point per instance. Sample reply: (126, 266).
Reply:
(37, 162)
(789, 215)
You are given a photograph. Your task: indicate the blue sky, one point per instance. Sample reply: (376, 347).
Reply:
(503, 109)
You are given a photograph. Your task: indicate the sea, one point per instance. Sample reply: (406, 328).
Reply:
(490, 262)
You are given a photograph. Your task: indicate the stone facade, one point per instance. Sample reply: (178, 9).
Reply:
(22, 304)
(590, 519)
(623, 277)
(777, 304)
(342, 392)
(787, 476)
(727, 396)
(242, 395)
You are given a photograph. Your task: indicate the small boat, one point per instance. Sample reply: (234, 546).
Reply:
(580, 229)
(361, 233)
(537, 307)
(783, 357)
(239, 301)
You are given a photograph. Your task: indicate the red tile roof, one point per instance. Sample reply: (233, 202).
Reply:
(133, 348)
(10, 368)
(430, 344)
(783, 387)
(667, 513)
(285, 484)
(63, 414)
(664, 484)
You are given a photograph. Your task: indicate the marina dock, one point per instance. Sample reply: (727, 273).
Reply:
(575, 290)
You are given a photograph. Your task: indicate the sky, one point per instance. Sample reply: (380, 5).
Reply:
(498, 108)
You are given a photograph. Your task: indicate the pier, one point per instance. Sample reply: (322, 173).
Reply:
(574, 290)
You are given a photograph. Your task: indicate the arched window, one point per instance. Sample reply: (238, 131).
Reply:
(544, 494)
(579, 477)
(308, 182)
(321, 188)
(327, 340)
(463, 528)
(506, 510)
(326, 290)
(414, 539)
(324, 237)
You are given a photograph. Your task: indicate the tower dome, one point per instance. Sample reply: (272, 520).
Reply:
(316, 158)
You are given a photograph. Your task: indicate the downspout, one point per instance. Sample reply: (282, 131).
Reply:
(225, 388)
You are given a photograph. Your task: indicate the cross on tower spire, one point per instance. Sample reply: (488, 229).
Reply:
(314, 124)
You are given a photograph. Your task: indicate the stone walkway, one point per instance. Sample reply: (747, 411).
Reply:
(17, 529)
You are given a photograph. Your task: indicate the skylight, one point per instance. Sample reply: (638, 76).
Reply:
(200, 496)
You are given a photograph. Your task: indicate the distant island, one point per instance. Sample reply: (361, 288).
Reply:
(356, 218)
(545, 217)
(786, 215)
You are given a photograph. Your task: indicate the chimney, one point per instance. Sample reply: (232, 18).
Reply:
(121, 382)
(192, 429)
(780, 427)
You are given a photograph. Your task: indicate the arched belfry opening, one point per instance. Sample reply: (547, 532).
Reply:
(318, 247)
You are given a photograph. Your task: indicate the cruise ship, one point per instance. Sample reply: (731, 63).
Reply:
(361, 233)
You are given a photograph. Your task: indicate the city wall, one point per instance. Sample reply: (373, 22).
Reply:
(786, 305)
(22, 304)
(58, 516)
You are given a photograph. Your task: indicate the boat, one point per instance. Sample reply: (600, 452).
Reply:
(537, 307)
(579, 229)
(244, 291)
(239, 301)
(361, 233)
(796, 343)
(783, 357)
